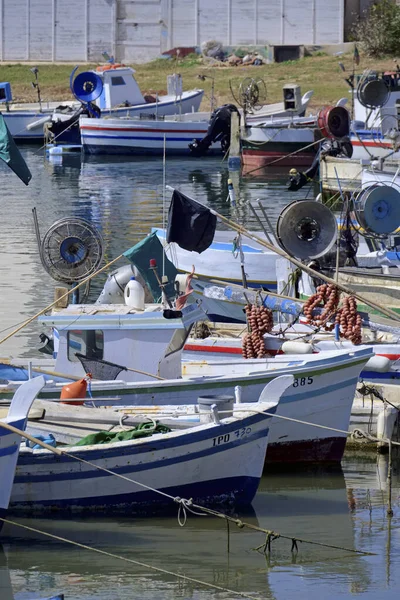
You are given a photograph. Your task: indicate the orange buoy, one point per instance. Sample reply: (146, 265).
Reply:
(108, 67)
(76, 389)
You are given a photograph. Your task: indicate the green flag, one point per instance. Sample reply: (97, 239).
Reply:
(140, 255)
(11, 155)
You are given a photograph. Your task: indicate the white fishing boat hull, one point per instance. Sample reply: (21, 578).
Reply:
(142, 136)
(322, 393)
(10, 441)
(27, 123)
(211, 463)
(220, 262)
(367, 144)
(289, 146)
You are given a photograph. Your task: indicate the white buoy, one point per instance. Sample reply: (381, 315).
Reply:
(379, 364)
(296, 348)
(134, 294)
(385, 423)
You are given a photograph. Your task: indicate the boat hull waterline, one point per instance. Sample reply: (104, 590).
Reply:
(212, 464)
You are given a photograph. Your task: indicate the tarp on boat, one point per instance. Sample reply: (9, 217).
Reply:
(140, 255)
(107, 437)
(11, 155)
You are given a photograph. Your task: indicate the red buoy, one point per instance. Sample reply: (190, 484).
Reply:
(333, 121)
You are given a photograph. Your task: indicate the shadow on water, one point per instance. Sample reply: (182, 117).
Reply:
(316, 506)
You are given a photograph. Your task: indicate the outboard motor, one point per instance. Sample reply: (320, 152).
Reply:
(329, 147)
(219, 129)
(67, 131)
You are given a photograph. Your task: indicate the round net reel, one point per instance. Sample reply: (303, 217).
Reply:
(377, 208)
(306, 229)
(71, 250)
(373, 93)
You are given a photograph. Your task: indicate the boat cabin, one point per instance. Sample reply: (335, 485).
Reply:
(119, 87)
(150, 341)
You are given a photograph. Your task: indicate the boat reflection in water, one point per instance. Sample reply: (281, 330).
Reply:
(312, 506)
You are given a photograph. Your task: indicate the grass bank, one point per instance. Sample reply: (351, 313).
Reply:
(319, 73)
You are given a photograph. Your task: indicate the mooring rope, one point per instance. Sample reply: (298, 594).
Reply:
(184, 503)
(131, 560)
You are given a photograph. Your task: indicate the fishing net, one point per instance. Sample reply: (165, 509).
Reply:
(100, 369)
(107, 437)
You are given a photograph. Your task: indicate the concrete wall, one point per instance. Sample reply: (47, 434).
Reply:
(138, 30)
(56, 30)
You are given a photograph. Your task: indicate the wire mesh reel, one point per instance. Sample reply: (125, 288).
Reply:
(251, 94)
(71, 250)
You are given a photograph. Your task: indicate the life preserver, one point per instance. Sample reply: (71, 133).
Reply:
(108, 67)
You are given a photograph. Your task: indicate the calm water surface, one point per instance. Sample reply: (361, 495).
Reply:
(346, 508)
(123, 198)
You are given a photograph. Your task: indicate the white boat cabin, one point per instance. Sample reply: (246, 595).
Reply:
(120, 87)
(148, 341)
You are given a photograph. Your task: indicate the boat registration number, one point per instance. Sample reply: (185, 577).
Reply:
(302, 381)
(239, 433)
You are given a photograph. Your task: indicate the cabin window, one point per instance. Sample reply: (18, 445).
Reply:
(89, 343)
(177, 341)
(117, 81)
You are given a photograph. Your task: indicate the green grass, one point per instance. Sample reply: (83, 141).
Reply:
(319, 73)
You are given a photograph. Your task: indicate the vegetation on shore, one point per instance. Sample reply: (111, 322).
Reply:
(320, 73)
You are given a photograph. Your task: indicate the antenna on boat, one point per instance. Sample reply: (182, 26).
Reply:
(203, 77)
(35, 85)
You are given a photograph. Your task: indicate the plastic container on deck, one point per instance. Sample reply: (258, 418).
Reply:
(134, 294)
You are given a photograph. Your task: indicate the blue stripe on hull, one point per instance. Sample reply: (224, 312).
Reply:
(20, 424)
(139, 151)
(99, 451)
(8, 451)
(237, 491)
(31, 460)
(373, 375)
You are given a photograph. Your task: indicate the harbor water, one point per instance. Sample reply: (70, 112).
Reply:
(345, 508)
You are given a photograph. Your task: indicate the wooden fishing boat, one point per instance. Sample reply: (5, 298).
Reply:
(217, 460)
(10, 441)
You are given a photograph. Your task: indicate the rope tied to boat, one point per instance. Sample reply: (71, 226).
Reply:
(185, 506)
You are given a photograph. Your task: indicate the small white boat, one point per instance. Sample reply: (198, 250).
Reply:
(10, 442)
(120, 96)
(217, 460)
(220, 261)
(143, 135)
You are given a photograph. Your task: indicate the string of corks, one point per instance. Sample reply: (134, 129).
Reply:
(260, 321)
(327, 297)
(349, 320)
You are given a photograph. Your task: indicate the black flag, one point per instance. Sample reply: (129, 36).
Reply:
(190, 224)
